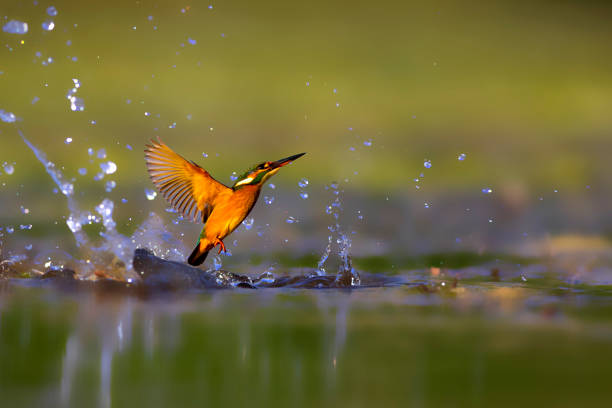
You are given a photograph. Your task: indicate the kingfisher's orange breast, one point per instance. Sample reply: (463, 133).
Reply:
(230, 212)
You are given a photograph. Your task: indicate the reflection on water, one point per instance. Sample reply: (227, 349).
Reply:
(405, 344)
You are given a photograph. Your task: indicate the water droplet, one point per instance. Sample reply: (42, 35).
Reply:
(172, 126)
(490, 220)
(217, 262)
(35, 99)
(101, 154)
(68, 140)
(191, 41)
(147, 114)
(10, 229)
(15, 27)
(461, 157)
(8, 117)
(427, 164)
(291, 220)
(52, 11)
(487, 190)
(234, 176)
(328, 209)
(268, 199)
(48, 25)
(25, 210)
(303, 183)
(8, 168)
(272, 186)
(426, 205)
(367, 143)
(124, 200)
(304, 195)
(67, 189)
(108, 167)
(204, 155)
(151, 194)
(82, 171)
(248, 223)
(25, 227)
(110, 185)
(28, 247)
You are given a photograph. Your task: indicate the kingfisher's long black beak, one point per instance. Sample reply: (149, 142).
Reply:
(285, 161)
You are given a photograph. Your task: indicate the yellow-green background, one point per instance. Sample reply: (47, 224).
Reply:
(523, 88)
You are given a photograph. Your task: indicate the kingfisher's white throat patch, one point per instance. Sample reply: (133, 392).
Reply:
(244, 181)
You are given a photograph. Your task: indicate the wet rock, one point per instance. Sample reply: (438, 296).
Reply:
(158, 272)
(59, 274)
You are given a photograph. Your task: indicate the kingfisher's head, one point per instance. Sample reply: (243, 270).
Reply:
(263, 171)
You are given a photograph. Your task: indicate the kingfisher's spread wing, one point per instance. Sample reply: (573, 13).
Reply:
(185, 185)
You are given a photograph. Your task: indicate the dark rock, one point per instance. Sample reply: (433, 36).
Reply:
(158, 272)
(59, 274)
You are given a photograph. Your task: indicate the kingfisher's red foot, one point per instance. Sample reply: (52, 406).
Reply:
(221, 245)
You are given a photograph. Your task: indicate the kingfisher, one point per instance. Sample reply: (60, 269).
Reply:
(194, 193)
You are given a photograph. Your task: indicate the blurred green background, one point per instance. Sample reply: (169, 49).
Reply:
(523, 88)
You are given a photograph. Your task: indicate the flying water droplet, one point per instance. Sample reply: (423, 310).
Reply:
(303, 183)
(461, 157)
(426, 205)
(272, 186)
(217, 262)
(248, 223)
(205, 155)
(68, 140)
(82, 171)
(151, 194)
(191, 41)
(110, 185)
(108, 167)
(101, 154)
(8, 168)
(52, 11)
(234, 176)
(487, 190)
(427, 164)
(8, 117)
(367, 143)
(291, 220)
(10, 229)
(304, 195)
(15, 27)
(48, 25)
(67, 188)
(268, 199)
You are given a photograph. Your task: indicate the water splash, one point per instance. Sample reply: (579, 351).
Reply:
(76, 103)
(346, 275)
(152, 233)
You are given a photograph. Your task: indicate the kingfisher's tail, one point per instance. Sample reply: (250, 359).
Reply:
(198, 256)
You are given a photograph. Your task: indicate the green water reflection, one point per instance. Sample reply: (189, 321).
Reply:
(495, 346)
